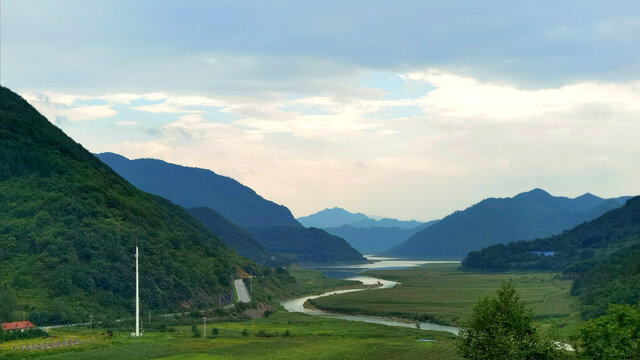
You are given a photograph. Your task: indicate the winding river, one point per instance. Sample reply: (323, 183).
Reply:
(297, 305)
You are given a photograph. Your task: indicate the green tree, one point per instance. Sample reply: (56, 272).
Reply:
(613, 336)
(501, 327)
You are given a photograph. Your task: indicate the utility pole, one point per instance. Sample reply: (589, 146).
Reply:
(137, 297)
(204, 333)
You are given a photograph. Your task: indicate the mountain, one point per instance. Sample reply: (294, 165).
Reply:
(306, 245)
(601, 255)
(331, 218)
(367, 235)
(194, 187)
(238, 204)
(526, 216)
(375, 239)
(69, 226)
(233, 235)
(337, 217)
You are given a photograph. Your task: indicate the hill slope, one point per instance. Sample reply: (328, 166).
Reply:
(526, 216)
(69, 225)
(603, 255)
(233, 235)
(194, 187)
(306, 245)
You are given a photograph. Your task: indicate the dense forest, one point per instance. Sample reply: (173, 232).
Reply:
(69, 226)
(602, 255)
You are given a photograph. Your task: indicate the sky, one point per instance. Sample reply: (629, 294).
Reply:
(407, 109)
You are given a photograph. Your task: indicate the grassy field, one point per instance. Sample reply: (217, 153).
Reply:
(441, 293)
(308, 338)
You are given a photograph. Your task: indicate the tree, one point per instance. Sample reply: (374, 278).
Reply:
(613, 336)
(501, 327)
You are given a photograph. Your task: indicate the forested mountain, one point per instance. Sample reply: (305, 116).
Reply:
(306, 245)
(377, 239)
(233, 235)
(602, 255)
(525, 216)
(69, 226)
(194, 187)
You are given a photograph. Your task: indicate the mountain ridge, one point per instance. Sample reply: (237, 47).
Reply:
(527, 215)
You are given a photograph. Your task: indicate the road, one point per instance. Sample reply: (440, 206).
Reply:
(241, 290)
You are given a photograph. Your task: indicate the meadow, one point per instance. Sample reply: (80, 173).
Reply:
(443, 294)
(282, 335)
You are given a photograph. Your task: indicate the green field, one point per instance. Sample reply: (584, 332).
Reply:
(309, 338)
(443, 294)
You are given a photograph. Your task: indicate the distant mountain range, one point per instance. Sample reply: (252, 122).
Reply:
(526, 216)
(337, 217)
(601, 255)
(239, 216)
(366, 234)
(194, 187)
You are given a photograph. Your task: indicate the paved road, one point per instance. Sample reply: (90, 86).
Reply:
(241, 290)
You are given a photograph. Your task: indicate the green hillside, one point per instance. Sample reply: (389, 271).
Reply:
(69, 225)
(602, 256)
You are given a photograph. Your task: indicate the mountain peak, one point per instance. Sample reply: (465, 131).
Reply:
(536, 193)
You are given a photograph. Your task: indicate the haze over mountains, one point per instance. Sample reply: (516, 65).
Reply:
(69, 226)
(366, 234)
(525, 216)
(240, 217)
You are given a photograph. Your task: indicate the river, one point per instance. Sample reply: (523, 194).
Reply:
(349, 272)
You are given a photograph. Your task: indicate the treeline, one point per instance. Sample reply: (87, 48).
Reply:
(602, 257)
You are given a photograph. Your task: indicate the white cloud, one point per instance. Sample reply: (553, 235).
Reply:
(475, 139)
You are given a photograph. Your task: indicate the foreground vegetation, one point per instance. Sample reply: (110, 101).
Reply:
(280, 336)
(442, 293)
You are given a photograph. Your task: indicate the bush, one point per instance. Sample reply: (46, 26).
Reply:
(195, 331)
(501, 327)
(245, 332)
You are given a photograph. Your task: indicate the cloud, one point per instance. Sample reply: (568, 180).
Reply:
(473, 138)
(464, 97)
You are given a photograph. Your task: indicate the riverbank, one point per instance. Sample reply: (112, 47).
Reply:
(442, 294)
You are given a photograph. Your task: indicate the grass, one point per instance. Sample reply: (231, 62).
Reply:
(441, 293)
(309, 338)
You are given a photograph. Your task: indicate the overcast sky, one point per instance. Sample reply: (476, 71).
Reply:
(407, 109)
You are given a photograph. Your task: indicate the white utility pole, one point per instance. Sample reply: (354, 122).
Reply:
(137, 298)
